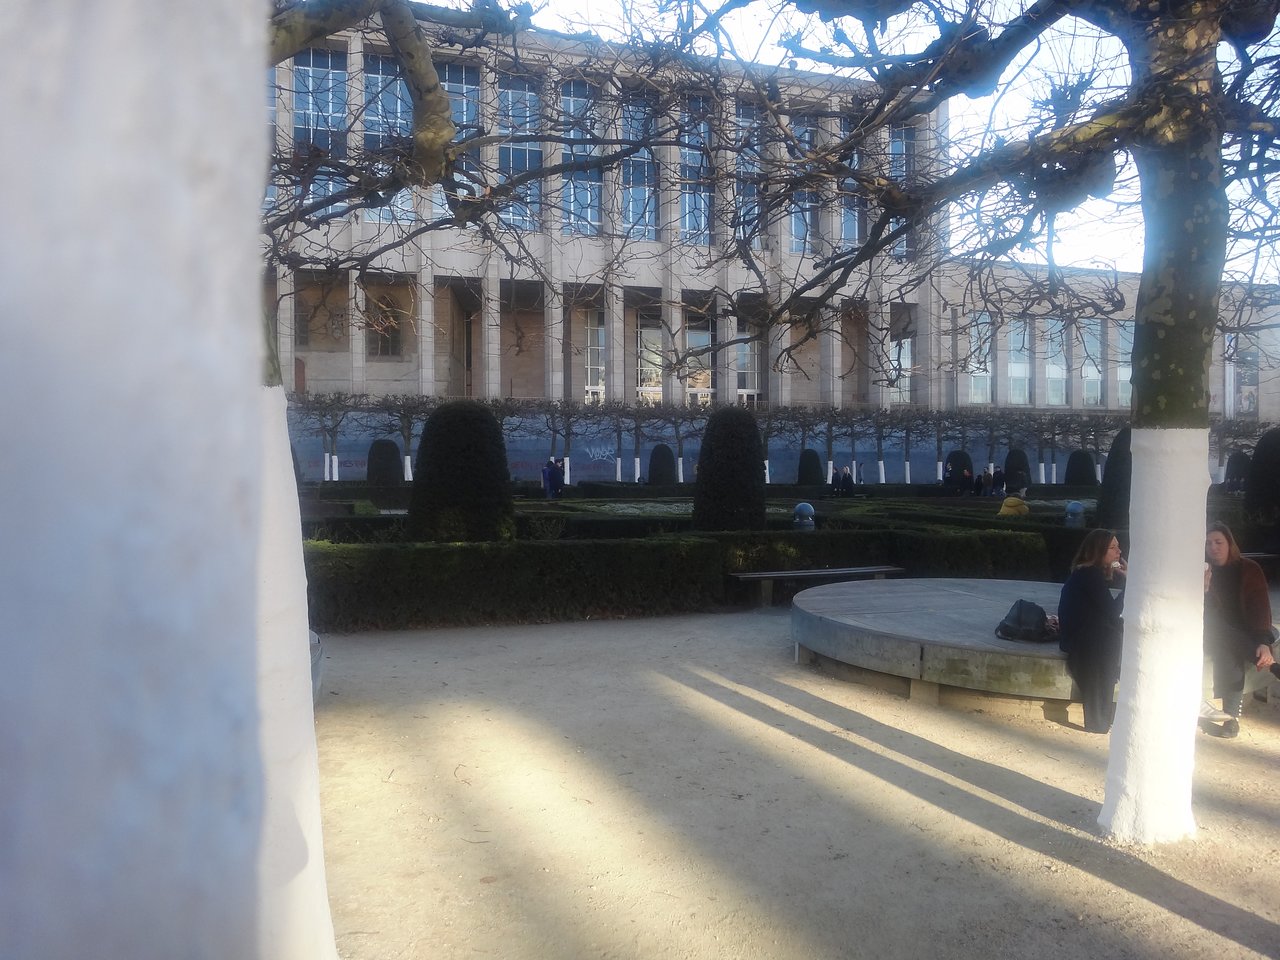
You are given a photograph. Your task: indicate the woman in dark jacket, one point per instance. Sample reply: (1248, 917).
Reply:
(1089, 625)
(1237, 620)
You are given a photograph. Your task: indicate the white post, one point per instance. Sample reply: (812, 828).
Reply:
(408, 468)
(129, 726)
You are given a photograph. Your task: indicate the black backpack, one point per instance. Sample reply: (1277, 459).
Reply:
(1026, 622)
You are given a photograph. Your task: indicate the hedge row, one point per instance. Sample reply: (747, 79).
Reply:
(398, 586)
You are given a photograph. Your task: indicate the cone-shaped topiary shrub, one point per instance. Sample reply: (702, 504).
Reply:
(729, 492)
(384, 466)
(1237, 470)
(1117, 474)
(662, 466)
(1262, 492)
(1017, 470)
(810, 473)
(953, 472)
(1080, 470)
(461, 485)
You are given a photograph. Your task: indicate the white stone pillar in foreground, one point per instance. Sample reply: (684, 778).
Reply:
(1148, 791)
(295, 923)
(132, 796)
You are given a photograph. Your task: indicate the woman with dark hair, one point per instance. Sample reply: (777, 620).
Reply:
(1237, 621)
(1090, 629)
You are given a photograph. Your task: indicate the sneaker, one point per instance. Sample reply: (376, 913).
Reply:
(1209, 712)
(1230, 729)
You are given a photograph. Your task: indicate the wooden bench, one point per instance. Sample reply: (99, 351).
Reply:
(766, 578)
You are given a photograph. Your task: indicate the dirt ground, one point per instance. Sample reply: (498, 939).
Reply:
(679, 788)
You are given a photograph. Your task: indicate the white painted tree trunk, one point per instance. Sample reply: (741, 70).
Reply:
(408, 468)
(1042, 473)
(617, 469)
(568, 467)
(906, 470)
(294, 923)
(1148, 789)
(766, 472)
(880, 470)
(637, 466)
(334, 470)
(941, 471)
(831, 472)
(680, 469)
(132, 791)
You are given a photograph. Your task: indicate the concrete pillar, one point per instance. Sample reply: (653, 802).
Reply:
(426, 322)
(286, 307)
(556, 333)
(357, 302)
(615, 381)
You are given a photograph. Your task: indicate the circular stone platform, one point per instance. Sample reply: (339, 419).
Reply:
(932, 633)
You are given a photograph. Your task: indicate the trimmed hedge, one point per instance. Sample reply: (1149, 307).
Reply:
(403, 586)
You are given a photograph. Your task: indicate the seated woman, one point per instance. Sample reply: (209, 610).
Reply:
(1015, 505)
(1089, 625)
(1237, 621)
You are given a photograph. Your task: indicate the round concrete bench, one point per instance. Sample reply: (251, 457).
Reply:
(936, 636)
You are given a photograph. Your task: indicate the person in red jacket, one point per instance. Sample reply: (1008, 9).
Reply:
(1237, 621)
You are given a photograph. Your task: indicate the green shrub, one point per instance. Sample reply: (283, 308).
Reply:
(1080, 470)
(1017, 470)
(662, 466)
(953, 472)
(461, 486)
(385, 468)
(1117, 477)
(810, 472)
(1262, 492)
(1236, 471)
(730, 491)
(401, 586)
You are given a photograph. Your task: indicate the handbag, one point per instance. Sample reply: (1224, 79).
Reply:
(1025, 622)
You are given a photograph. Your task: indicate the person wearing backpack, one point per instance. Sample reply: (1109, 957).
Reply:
(1090, 628)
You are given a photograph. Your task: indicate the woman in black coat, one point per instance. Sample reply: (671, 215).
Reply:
(1089, 625)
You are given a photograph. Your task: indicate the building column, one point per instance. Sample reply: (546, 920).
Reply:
(355, 330)
(672, 333)
(779, 379)
(830, 365)
(286, 309)
(555, 340)
(426, 321)
(615, 381)
(724, 327)
(489, 342)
